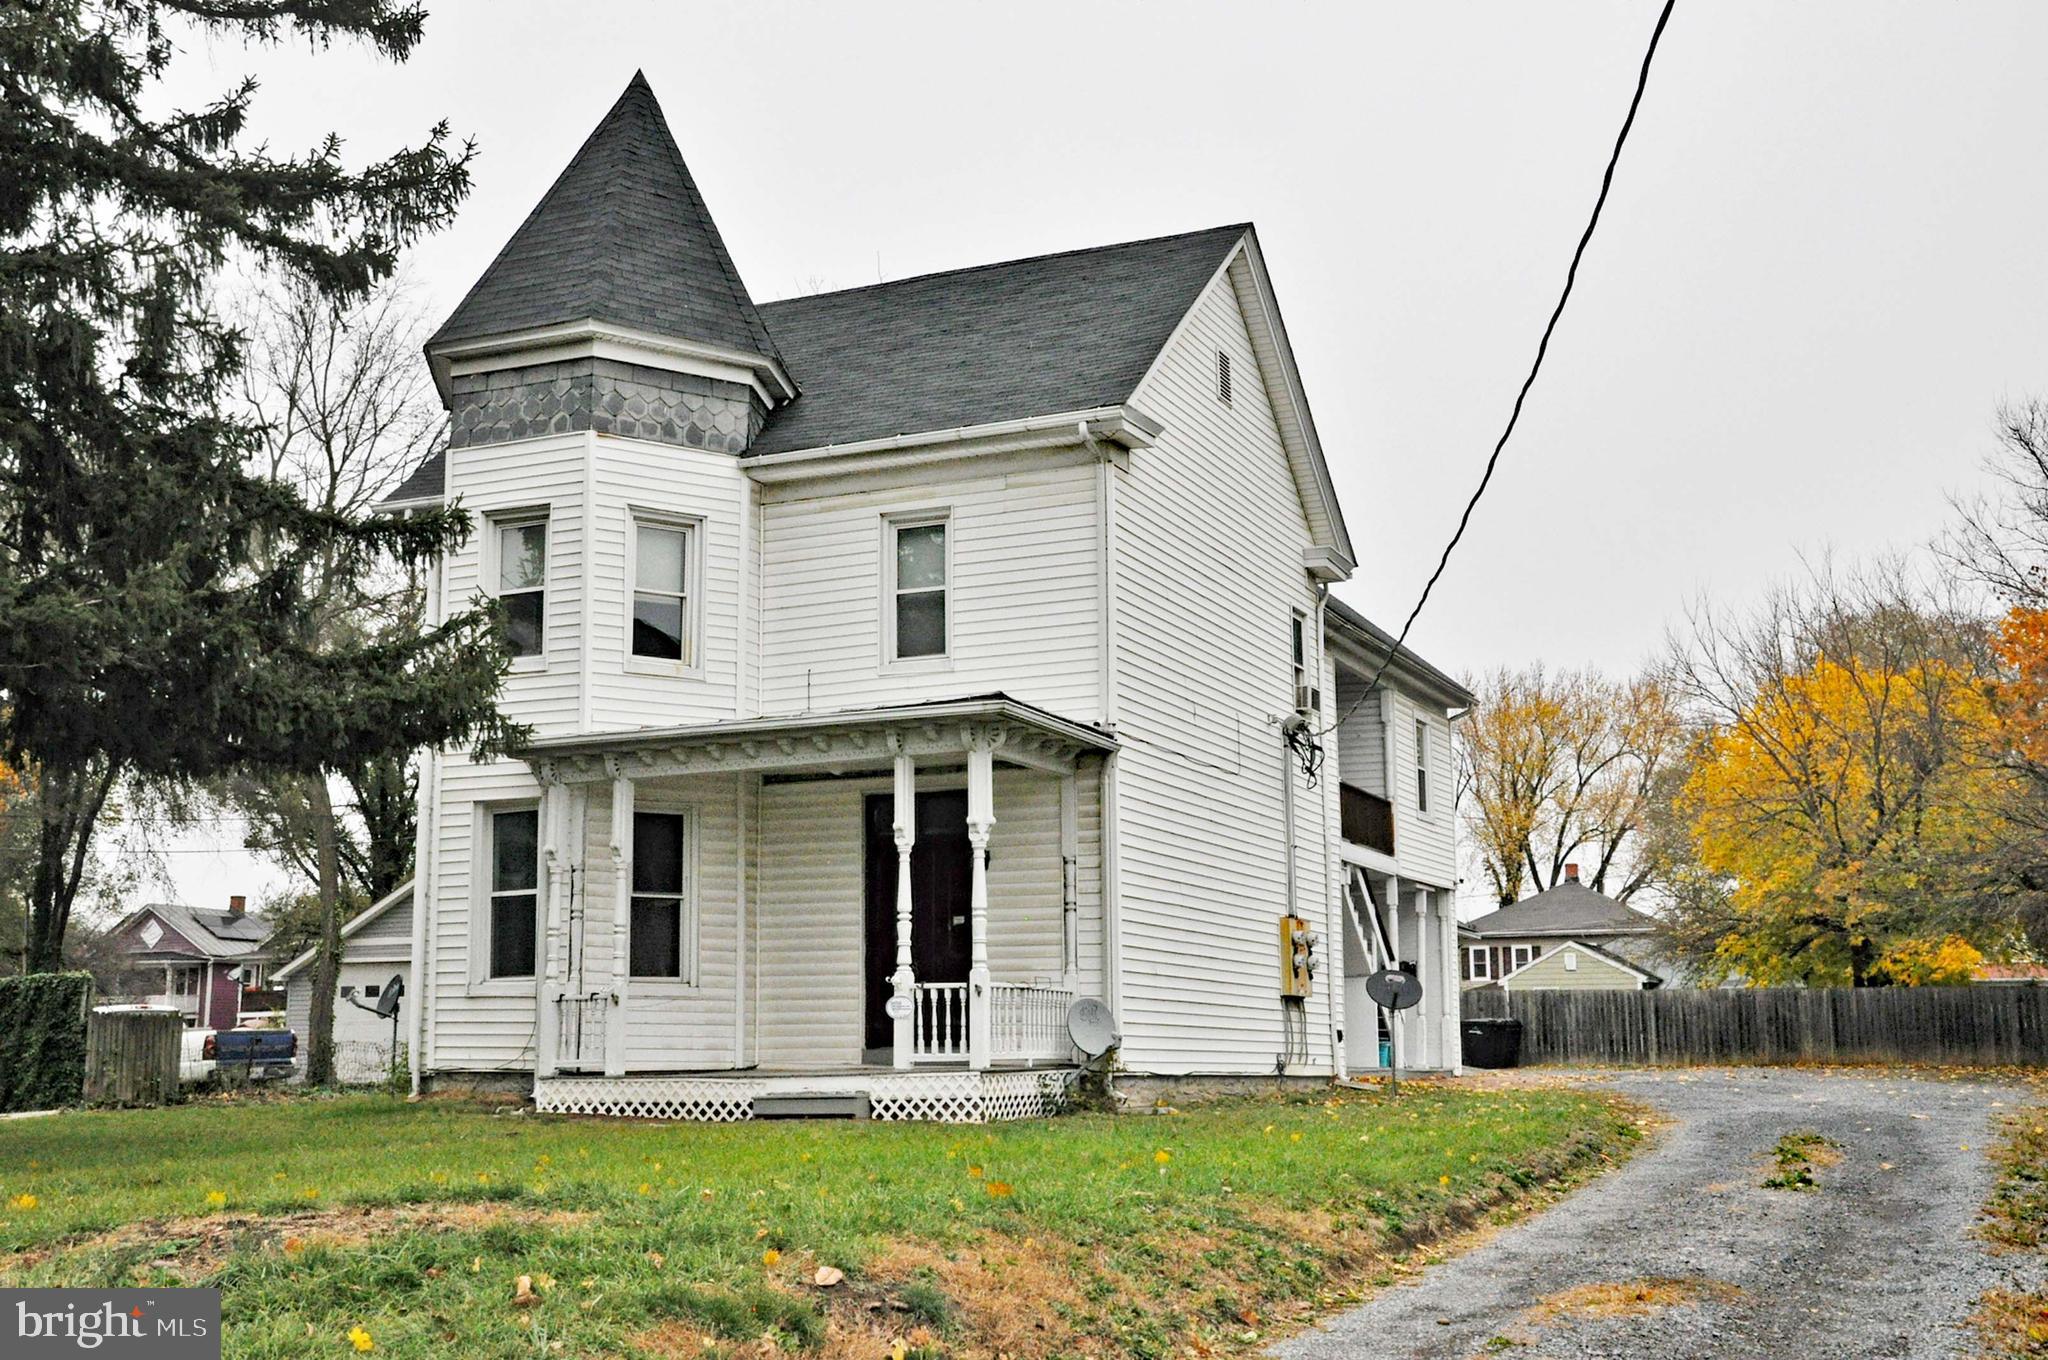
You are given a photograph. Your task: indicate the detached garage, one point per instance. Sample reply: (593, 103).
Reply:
(376, 945)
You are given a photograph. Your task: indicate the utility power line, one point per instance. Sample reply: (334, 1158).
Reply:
(1542, 348)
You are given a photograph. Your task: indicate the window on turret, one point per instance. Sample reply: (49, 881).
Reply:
(522, 548)
(661, 592)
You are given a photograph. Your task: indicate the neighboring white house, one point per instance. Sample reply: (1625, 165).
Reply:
(903, 663)
(376, 946)
(1566, 937)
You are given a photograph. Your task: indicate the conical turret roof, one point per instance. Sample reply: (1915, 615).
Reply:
(622, 238)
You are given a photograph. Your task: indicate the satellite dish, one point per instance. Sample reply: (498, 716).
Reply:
(1394, 989)
(1091, 1027)
(387, 1000)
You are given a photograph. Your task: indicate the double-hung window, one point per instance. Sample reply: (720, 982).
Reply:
(1522, 955)
(917, 588)
(1421, 766)
(1479, 964)
(661, 592)
(522, 551)
(659, 934)
(1298, 629)
(515, 892)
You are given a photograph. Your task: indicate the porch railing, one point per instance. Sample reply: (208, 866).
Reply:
(1029, 1020)
(938, 1021)
(579, 1031)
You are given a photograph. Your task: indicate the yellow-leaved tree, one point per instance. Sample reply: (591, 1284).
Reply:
(1847, 798)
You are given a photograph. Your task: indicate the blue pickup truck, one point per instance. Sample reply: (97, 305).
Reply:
(238, 1055)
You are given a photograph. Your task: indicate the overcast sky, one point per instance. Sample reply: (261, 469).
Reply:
(1821, 269)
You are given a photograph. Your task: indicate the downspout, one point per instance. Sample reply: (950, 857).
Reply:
(1112, 915)
(422, 875)
(1326, 680)
(426, 822)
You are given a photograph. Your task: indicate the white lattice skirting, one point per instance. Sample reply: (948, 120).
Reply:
(937, 1097)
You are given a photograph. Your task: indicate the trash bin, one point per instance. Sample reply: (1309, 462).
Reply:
(1492, 1042)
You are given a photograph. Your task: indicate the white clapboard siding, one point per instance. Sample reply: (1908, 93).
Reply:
(672, 1025)
(386, 938)
(476, 1024)
(1089, 979)
(1424, 842)
(631, 477)
(1359, 749)
(808, 913)
(1024, 595)
(1210, 531)
(529, 474)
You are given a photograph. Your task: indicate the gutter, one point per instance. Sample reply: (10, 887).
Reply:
(1123, 426)
(593, 743)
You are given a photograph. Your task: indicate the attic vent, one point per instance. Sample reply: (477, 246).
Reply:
(1223, 377)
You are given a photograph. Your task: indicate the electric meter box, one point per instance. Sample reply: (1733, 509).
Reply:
(1297, 957)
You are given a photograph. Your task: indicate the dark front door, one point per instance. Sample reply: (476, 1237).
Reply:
(939, 941)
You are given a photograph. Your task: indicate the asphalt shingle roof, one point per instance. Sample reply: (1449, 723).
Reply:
(222, 934)
(428, 479)
(622, 237)
(1065, 332)
(1567, 908)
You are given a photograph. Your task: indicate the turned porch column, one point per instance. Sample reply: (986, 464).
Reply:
(547, 980)
(903, 982)
(981, 820)
(621, 847)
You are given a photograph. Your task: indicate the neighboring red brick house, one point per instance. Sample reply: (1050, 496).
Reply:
(187, 958)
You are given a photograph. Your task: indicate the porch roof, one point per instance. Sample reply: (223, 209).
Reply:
(1022, 733)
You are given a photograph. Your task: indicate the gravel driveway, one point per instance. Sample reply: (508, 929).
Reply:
(1878, 1261)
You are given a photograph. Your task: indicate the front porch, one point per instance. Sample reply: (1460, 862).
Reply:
(898, 902)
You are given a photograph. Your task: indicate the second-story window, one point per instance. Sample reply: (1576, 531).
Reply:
(661, 592)
(917, 589)
(1305, 693)
(1421, 766)
(522, 547)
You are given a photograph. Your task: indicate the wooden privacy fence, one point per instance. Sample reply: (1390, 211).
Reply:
(131, 1057)
(1987, 1025)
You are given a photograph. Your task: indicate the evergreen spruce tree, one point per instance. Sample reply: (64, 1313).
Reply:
(153, 589)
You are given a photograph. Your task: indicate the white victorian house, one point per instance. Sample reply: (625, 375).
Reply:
(904, 663)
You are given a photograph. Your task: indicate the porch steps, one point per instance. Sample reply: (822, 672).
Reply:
(811, 1105)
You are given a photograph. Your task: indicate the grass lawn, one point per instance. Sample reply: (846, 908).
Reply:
(2016, 1219)
(336, 1225)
